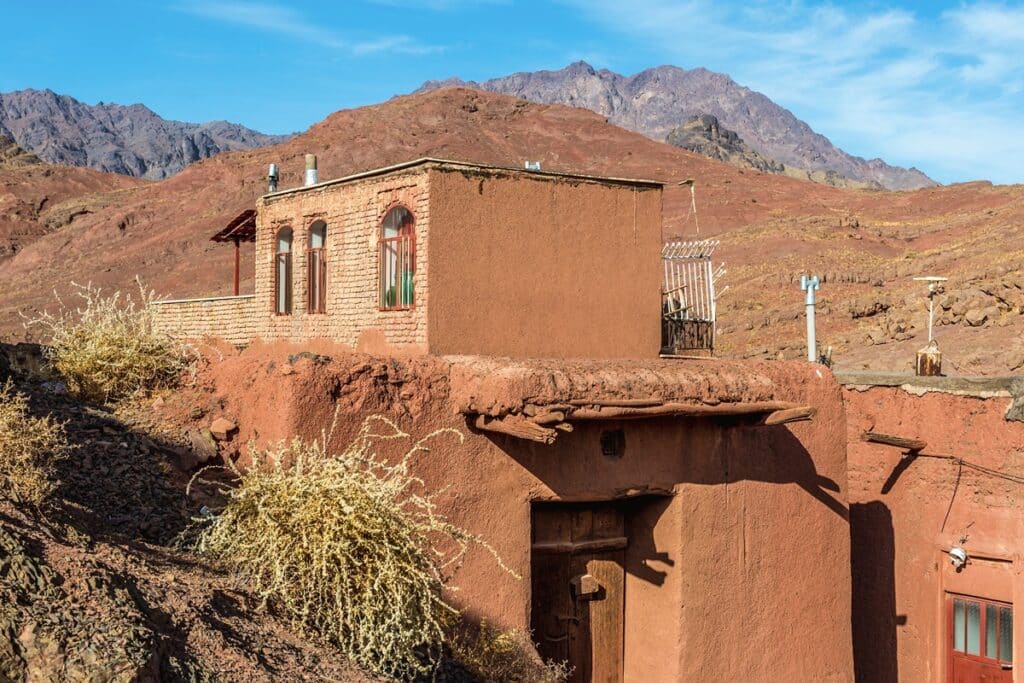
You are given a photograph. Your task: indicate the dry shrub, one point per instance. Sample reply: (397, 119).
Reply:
(501, 656)
(108, 349)
(348, 546)
(29, 449)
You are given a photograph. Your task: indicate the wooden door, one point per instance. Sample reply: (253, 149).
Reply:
(980, 641)
(578, 587)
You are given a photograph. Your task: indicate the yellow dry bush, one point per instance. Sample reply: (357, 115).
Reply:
(108, 349)
(29, 449)
(350, 547)
(492, 655)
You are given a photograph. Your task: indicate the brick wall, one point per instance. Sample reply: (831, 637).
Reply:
(353, 214)
(232, 318)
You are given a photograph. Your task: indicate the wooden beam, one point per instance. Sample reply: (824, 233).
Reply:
(781, 417)
(912, 445)
(576, 547)
(516, 426)
(681, 410)
(617, 402)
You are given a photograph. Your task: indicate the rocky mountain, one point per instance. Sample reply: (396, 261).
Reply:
(705, 135)
(656, 101)
(127, 139)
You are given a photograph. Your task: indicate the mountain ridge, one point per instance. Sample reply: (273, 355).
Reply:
(657, 100)
(130, 139)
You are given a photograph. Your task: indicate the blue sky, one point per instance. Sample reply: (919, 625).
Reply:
(938, 85)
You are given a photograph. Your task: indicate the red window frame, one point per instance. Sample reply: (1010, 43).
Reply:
(404, 248)
(286, 258)
(997, 658)
(316, 273)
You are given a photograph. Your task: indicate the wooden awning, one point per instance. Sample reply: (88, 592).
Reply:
(242, 228)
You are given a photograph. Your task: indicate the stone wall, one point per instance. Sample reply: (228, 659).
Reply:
(232, 318)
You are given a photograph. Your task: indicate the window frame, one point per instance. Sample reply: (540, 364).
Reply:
(286, 256)
(382, 243)
(983, 656)
(319, 256)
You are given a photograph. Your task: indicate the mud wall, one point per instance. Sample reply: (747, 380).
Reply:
(907, 512)
(231, 318)
(738, 564)
(529, 267)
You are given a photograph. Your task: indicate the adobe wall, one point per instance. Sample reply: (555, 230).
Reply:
(530, 267)
(231, 318)
(907, 513)
(738, 564)
(353, 214)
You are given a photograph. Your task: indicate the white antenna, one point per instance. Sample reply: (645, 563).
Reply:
(693, 203)
(934, 288)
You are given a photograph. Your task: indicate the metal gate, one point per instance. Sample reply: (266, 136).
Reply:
(688, 297)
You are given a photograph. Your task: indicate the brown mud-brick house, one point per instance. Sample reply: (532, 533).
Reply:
(443, 257)
(666, 519)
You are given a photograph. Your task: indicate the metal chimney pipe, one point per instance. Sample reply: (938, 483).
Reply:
(810, 285)
(311, 178)
(272, 178)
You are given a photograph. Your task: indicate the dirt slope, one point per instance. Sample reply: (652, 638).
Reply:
(36, 198)
(868, 244)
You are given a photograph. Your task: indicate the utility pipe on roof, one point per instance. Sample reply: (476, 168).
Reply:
(311, 176)
(810, 285)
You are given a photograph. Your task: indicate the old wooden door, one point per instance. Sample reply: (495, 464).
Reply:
(578, 583)
(980, 640)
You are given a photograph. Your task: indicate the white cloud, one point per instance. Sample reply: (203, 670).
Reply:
(943, 92)
(284, 21)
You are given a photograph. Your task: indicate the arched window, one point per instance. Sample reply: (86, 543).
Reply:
(283, 272)
(397, 259)
(316, 260)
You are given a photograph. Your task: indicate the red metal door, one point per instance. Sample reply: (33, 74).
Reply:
(980, 641)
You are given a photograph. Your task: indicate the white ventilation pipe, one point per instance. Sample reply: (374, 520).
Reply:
(810, 285)
(272, 178)
(311, 178)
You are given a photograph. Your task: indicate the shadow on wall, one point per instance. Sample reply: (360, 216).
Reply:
(872, 550)
(662, 453)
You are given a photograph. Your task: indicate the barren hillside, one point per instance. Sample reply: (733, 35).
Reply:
(869, 244)
(37, 198)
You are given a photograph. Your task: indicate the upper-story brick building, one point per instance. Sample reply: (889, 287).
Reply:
(445, 257)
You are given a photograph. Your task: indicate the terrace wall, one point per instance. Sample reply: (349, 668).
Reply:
(232, 318)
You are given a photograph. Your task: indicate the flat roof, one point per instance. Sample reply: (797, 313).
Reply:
(449, 164)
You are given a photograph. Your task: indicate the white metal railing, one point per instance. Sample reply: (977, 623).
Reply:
(689, 296)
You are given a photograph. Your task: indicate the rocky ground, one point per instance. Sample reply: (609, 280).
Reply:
(96, 588)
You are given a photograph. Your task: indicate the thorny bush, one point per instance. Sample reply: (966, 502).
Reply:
(108, 348)
(504, 656)
(30, 447)
(348, 546)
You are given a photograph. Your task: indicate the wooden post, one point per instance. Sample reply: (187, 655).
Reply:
(237, 250)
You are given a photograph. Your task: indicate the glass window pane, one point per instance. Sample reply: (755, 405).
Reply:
(991, 621)
(1006, 634)
(958, 625)
(317, 235)
(973, 628)
(284, 240)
